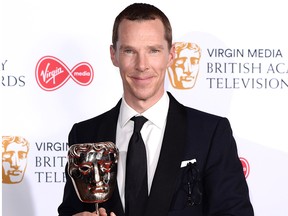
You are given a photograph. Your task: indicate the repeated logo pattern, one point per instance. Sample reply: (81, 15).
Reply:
(52, 73)
(15, 151)
(246, 166)
(185, 68)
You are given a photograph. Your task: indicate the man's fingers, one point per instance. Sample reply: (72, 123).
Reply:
(102, 212)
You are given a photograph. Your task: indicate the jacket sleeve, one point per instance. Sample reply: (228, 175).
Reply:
(71, 204)
(225, 188)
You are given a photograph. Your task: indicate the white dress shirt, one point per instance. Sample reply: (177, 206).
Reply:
(152, 133)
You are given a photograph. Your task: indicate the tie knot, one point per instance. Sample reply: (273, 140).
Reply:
(138, 122)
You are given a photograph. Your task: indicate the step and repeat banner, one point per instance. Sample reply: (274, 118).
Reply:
(231, 60)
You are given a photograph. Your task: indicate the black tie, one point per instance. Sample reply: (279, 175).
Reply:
(136, 188)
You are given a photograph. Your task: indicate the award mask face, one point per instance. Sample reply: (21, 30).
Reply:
(93, 170)
(15, 151)
(185, 68)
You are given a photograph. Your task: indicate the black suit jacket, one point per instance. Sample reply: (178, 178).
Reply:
(214, 185)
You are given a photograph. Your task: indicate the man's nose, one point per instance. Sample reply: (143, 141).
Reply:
(142, 62)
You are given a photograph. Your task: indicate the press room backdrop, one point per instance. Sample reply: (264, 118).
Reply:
(56, 71)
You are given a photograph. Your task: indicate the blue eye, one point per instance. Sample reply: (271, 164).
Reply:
(128, 51)
(155, 51)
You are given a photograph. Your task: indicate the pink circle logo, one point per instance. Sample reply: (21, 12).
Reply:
(246, 166)
(52, 73)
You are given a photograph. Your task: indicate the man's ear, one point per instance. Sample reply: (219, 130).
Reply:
(113, 56)
(171, 55)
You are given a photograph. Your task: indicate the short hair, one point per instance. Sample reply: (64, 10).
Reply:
(140, 12)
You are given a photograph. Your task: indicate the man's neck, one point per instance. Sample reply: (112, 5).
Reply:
(141, 105)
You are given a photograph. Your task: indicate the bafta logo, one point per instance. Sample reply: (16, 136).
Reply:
(14, 159)
(184, 70)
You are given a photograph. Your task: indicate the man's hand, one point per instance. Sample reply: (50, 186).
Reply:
(102, 212)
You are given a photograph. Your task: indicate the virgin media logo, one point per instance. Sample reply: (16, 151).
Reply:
(52, 73)
(246, 166)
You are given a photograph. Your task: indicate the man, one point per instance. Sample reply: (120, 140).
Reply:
(14, 159)
(193, 166)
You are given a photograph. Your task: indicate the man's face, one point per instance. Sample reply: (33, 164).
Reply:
(92, 168)
(14, 161)
(142, 55)
(185, 68)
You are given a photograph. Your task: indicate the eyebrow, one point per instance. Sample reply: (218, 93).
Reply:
(149, 47)
(156, 46)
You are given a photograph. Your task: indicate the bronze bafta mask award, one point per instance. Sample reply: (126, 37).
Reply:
(93, 170)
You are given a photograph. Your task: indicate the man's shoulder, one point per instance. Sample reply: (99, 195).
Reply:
(202, 114)
(107, 115)
(193, 112)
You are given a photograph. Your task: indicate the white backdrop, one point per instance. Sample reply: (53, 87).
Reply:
(253, 95)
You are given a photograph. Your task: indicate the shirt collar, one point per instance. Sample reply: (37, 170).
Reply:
(156, 114)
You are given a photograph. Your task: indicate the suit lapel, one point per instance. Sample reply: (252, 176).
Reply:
(107, 132)
(169, 161)
(107, 128)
